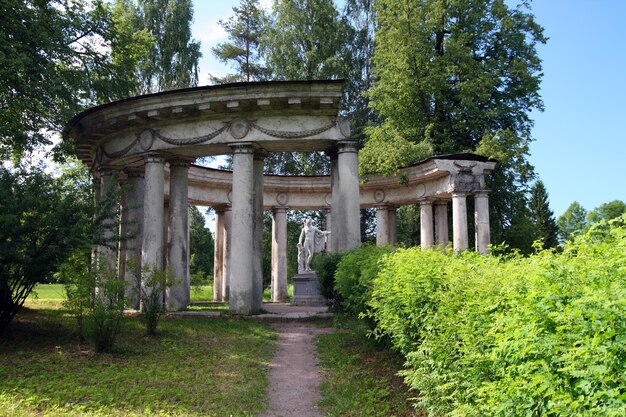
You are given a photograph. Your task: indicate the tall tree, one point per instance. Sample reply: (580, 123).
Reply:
(361, 19)
(131, 44)
(201, 244)
(543, 216)
(572, 222)
(458, 75)
(245, 30)
(42, 219)
(54, 63)
(305, 41)
(173, 59)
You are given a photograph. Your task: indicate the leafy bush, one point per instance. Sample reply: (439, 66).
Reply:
(354, 276)
(325, 265)
(154, 283)
(510, 336)
(95, 297)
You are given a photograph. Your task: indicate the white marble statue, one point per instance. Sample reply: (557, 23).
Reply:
(311, 240)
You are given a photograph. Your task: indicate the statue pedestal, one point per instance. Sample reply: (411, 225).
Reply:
(306, 290)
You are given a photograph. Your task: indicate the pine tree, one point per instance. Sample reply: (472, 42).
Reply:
(245, 29)
(545, 224)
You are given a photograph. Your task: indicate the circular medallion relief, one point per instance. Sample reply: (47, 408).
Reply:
(344, 126)
(229, 196)
(329, 199)
(420, 190)
(379, 196)
(239, 128)
(146, 139)
(282, 198)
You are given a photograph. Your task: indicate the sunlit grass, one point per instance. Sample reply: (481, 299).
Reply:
(360, 376)
(193, 367)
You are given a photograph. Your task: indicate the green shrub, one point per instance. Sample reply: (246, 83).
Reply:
(95, 297)
(510, 336)
(354, 276)
(325, 266)
(154, 283)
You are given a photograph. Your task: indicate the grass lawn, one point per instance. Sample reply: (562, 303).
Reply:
(360, 376)
(193, 367)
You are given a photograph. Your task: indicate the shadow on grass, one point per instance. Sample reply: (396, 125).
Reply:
(191, 368)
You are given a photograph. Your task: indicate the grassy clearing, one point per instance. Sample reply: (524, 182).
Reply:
(194, 367)
(360, 376)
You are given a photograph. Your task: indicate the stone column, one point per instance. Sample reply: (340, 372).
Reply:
(242, 248)
(426, 224)
(132, 212)
(178, 296)
(459, 221)
(349, 223)
(123, 229)
(218, 256)
(228, 238)
(336, 207)
(152, 237)
(109, 201)
(328, 216)
(279, 254)
(257, 295)
(95, 185)
(382, 225)
(393, 225)
(166, 236)
(441, 223)
(481, 216)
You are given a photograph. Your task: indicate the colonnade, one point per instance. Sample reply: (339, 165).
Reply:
(154, 231)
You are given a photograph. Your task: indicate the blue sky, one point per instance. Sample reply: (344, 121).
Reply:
(580, 139)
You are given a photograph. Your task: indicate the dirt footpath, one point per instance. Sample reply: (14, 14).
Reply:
(294, 374)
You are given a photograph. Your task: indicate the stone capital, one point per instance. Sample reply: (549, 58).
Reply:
(243, 148)
(222, 208)
(260, 154)
(179, 162)
(426, 201)
(154, 158)
(279, 209)
(347, 146)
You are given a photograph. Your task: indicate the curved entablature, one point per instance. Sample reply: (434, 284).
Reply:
(276, 116)
(435, 178)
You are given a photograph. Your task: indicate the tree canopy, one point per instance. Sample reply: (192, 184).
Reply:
(456, 76)
(54, 63)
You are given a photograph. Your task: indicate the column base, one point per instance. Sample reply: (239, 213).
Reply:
(306, 290)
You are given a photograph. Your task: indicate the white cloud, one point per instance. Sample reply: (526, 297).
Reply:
(210, 33)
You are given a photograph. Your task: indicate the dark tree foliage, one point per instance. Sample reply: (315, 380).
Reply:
(361, 20)
(54, 63)
(456, 76)
(545, 224)
(201, 244)
(42, 219)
